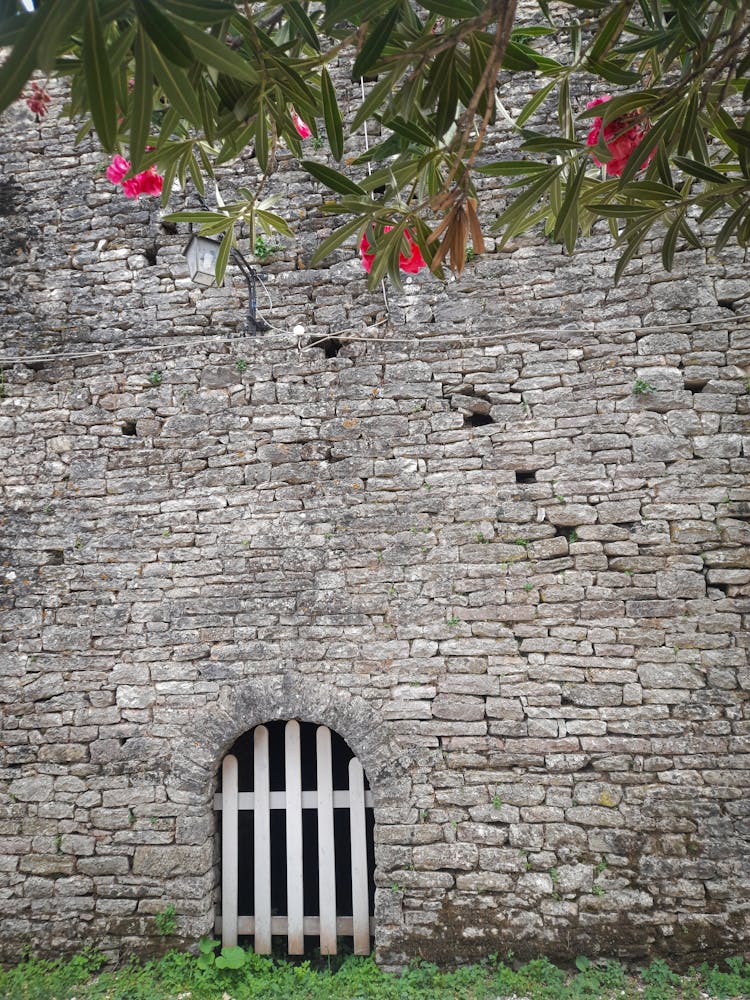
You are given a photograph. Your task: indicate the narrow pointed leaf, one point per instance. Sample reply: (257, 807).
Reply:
(261, 138)
(304, 26)
(212, 52)
(163, 33)
(142, 101)
(59, 25)
(332, 116)
(375, 43)
(222, 258)
(332, 178)
(699, 170)
(201, 11)
(177, 87)
(99, 84)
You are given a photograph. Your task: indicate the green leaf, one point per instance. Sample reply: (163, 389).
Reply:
(650, 140)
(334, 241)
(699, 170)
(610, 30)
(269, 221)
(448, 99)
(203, 218)
(200, 11)
(518, 58)
(450, 8)
(331, 178)
(177, 87)
(515, 215)
(532, 104)
(305, 28)
(163, 33)
(508, 168)
(566, 224)
(332, 116)
(550, 144)
(375, 43)
(212, 52)
(374, 99)
(234, 957)
(261, 138)
(740, 135)
(58, 27)
(99, 84)
(21, 62)
(222, 259)
(142, 103)
(412, 130)
(611, 71)
(670, 243)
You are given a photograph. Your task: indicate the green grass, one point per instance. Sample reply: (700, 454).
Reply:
(183, 975)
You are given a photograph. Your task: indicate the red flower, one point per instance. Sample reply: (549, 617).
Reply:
(147, 182)
(302, 127)
(411, 264)
(117, 169)
(621, 137)
(38, 100)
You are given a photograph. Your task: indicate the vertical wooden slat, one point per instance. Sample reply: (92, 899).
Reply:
(262, 831)
(326, 852)
(360, 899)
(294, 877)
(229, 849)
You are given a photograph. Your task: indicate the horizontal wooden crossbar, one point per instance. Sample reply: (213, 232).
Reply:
(280, 926)
(309, 800)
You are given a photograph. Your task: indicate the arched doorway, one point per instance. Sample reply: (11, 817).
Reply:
(296, 841)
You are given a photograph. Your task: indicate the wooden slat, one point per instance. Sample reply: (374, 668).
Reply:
(294, 876)
(262, 842)
(360, 900)
(229, 850)
(309, 800)
(326, 852)
(344, 926)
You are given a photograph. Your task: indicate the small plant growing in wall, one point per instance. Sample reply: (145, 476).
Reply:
(641, 387)
(166, 921)
(154, 378)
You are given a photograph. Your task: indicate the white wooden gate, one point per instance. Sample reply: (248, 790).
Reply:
(295, 925)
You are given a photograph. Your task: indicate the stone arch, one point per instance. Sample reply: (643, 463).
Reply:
(245, 704)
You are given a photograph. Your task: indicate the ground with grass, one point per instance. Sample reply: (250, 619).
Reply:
(239, 974)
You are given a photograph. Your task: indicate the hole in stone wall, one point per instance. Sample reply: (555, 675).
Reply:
(129, 428)
(273, 758)
(727, 304)
(11, 196)
(330, 346)
(34, 366)
(696, 384)
(477, 420)
(55, 557)
(567, 531)
(151, 253)
(525, 475)
(169, 227)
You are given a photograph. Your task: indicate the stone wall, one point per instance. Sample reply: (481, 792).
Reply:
(498, 543)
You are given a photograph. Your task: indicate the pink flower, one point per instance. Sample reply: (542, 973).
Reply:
(411, 264)
(621, 137)
(302, 127)
(38, 100)
(117, 169)
(147, 182)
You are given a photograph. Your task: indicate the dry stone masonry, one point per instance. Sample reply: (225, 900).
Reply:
(499, 543)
